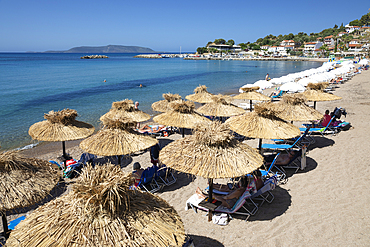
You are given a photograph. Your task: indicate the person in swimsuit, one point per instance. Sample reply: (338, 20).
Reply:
(137, 173)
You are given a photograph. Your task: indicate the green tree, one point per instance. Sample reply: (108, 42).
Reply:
(355, 23)
(335, 26)
(202, 50)
(220, 41)
(230, 42)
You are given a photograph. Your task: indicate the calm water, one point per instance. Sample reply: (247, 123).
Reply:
(34, 84)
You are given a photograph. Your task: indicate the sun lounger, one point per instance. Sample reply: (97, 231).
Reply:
(147, 182)
(165, 176)
(194, 201)
(279, 175)
(164, 131)
(324, 130)
(299, 142)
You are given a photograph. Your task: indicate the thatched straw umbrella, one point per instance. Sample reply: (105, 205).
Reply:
(60, 126)
(315, 93)
(293, 108)
(263, 123)
(164, 105)
(211, 152)
(125, 109)
(116, 138)
(251, 94)
(219, 107)
(182, 115)
(101, 210)
(24, 182)
(201, 95)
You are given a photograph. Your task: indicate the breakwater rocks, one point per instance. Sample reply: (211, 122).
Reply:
(94, 56)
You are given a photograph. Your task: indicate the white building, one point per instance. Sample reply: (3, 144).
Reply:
(350, 29)
(311, 47)
(329, 40)
(221, 47)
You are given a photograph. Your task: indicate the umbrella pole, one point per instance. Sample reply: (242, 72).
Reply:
(5, 225)
(250, 107)
(119, 159)
(314, 105)
(210, 191)
(64, 154)
(260, 145)
(183, 132)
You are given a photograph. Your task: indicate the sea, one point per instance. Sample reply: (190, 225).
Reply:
(32, 84)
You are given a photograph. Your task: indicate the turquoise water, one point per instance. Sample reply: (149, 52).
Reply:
(34, 84)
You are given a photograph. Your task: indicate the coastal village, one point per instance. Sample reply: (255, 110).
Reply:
(353, 41)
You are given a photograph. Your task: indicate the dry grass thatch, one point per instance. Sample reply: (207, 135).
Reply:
(164, 105)
(211, 152)
(252, 95)
(220, 107)
(101, 210)
(293, 108)
(316, 95)
(201, 95)
(125, 109)
(60, 126)
(263, 123)
(24, 181)
(182, 115)
(116, 138)
(318, 86)
(249, 89)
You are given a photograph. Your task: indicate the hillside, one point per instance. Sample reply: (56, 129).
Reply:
(106, 49)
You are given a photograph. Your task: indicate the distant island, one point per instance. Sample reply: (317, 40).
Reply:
(106, 49)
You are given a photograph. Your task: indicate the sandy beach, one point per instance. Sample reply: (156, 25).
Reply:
(327, 204)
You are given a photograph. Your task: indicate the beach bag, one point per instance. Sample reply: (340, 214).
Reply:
(221, 219)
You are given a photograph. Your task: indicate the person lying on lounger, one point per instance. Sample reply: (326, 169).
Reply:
(245, 183)
(257, 177)
(147, 128)
(283, 159)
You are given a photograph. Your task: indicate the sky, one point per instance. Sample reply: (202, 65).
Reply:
(162, 25)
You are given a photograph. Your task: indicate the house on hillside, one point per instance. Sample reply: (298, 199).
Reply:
(351, 29)
(280, 50)
(354, 45)
(312, 47)
(265, 47)
(329, 41)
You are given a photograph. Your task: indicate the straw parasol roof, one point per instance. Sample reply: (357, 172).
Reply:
(182, 115)
(293, 108)
(101, 210)
(251, 94)
(263, 124)
(211, 152)
(60, 126)
(125, 109)
(317, 95)
(116, 138)
(201, 95)
(24, 181)
(318, 86)
(220, 107)
(163, 105)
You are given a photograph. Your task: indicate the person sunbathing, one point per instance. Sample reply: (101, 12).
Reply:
(147, 128)
(325, 119)
(283, 159)
(245, 183)
(137, 171)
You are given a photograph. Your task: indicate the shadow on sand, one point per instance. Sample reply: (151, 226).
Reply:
(321, 142)
(270, 211)
(201, 241)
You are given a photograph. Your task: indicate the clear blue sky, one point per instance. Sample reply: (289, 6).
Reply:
(162, 25)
